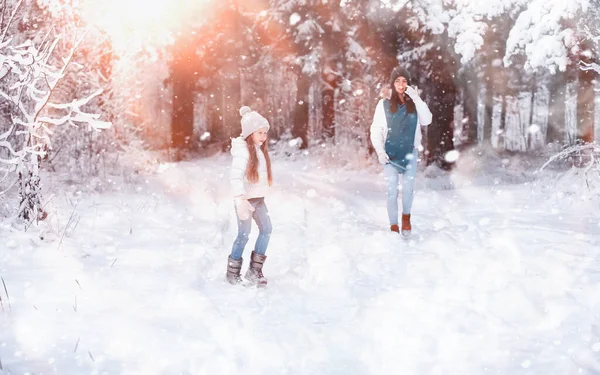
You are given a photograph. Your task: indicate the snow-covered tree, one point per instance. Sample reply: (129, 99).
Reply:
(31, 78)
(333, 51)
(527, 54)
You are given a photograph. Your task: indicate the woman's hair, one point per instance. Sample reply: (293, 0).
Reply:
(395, 102)
(252, 168)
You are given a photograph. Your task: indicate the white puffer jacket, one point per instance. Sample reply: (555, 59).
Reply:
(239, 182)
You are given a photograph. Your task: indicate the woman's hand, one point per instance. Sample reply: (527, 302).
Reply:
(412, 93)
(383, 158)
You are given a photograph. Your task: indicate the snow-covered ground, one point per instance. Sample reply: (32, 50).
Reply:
(501, 276)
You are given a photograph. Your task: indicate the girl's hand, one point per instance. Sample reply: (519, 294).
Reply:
(243, 208)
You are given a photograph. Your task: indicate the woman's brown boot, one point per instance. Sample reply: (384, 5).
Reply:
(406, 227)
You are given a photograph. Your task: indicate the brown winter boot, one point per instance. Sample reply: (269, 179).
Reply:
(406, 228)
(395, 228)
(234, 268)
(254, 273)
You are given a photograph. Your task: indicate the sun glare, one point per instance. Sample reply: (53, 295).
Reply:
(138, 23)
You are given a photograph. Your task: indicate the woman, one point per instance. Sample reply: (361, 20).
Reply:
(396, 137)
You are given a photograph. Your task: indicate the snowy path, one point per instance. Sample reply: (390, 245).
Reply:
(502, 280)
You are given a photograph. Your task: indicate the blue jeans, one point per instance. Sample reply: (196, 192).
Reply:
(408, 184)
(261, 216)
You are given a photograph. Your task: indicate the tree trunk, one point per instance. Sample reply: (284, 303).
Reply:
(439, 138)
(30, 190)
(597, 112)
(556, 109)
(443, 99)
(539, 117)
(458, 124)
(331, 81)
(488, 125)
(182, 78)
(585, 108)
(215, 114)
(328, 113)
(517, 115)
(571, 109)
(502, 130)
(585, 104)
(496, 118)
(482, 111)
(182, 118)
(230, 103)
(301, 115)
(471, 95)
(315, 105)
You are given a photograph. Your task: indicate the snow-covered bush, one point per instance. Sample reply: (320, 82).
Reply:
(583, 177)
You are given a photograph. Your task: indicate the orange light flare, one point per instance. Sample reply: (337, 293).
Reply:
(135, 24)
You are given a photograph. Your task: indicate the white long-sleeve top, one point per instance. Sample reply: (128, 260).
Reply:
(237, 177)
(379, 127)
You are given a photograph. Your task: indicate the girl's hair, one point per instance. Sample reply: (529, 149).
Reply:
(395, 102)
(252, 168)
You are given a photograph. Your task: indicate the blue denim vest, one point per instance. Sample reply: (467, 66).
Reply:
(400, 141)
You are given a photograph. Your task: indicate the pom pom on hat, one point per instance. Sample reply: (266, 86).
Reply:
(245, 109)
(252, 121)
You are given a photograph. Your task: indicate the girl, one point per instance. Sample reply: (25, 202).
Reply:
(396, 137)
(250, 180)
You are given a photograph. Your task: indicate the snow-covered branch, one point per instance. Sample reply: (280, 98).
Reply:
(590, 147)
(543, 32)
(590, 66)
(33, 81)
(12, 16)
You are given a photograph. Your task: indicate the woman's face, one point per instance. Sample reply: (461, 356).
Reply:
(260, 136)
(400, 84)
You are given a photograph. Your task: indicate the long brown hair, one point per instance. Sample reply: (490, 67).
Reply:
(252, 168)
(395, 102)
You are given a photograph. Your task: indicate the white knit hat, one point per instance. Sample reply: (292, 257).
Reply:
(251, 121)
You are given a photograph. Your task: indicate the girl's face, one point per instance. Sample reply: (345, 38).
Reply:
(400, 84)
(259, 137)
